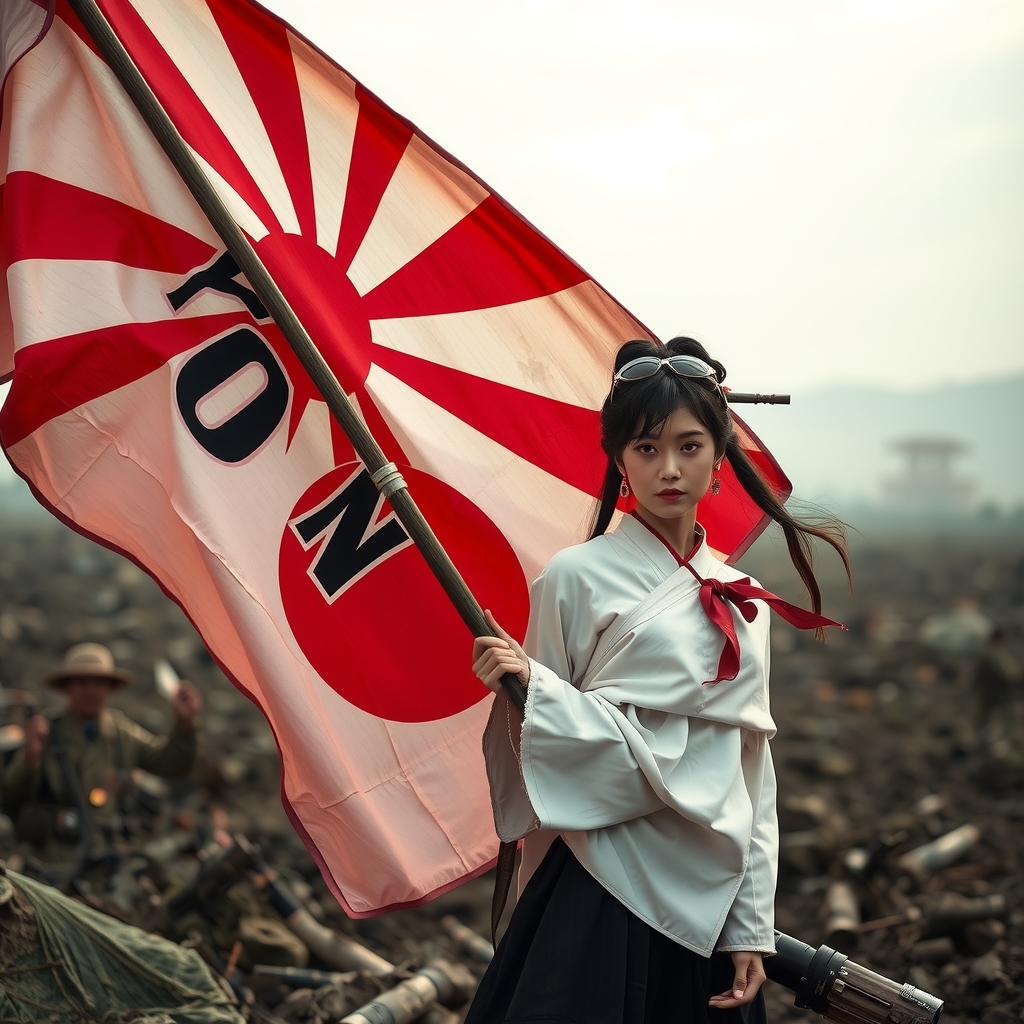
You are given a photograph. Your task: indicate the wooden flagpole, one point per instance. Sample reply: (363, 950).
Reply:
(385, 474)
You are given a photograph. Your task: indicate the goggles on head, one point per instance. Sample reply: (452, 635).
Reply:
(648, 366)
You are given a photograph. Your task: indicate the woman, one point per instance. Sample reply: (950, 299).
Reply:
(641, 779)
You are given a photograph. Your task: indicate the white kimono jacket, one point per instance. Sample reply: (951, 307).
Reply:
(662, 786)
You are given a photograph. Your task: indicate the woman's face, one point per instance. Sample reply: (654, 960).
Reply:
(670, 472)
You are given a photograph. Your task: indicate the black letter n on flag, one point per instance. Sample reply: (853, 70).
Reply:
(353, 542)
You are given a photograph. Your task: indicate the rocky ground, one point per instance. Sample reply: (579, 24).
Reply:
(877, 754)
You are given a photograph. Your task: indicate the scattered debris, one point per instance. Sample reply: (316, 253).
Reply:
(933, 847)
(926, 860)
(901, 826)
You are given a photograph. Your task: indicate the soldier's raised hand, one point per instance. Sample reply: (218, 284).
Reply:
(187, 703)
(37, 731)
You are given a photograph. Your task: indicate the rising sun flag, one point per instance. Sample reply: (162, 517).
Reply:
(156, 407)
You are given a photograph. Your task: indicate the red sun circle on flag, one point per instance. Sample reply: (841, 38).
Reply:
(340, 326)
(386, 637)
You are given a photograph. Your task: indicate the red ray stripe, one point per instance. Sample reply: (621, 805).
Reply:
(48, 219)
(562, 439)
(260, 48)
(762, 458)
(490, 258)
(195, 123)
(56, 376)
(731, 515)
(770, 471)
(732, 518)
(379, 143)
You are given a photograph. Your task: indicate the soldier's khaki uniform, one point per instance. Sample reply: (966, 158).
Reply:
(102, 763)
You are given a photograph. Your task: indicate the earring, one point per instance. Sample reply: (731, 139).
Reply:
(716, 485)
(624, 489)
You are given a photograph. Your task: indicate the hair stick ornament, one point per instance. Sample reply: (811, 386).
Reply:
(748, 398)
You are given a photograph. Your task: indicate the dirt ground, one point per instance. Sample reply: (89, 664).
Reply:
(878, 752)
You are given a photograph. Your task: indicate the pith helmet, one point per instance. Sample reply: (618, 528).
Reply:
(88, 660)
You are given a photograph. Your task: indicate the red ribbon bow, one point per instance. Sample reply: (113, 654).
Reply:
(714, 595)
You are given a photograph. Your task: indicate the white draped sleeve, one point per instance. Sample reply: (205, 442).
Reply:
(582, 728)
(750, 924)
(568, 735)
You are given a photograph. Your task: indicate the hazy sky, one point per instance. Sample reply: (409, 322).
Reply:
(821, 190)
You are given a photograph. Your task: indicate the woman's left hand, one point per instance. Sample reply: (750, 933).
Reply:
(749, 978)
(493, 656)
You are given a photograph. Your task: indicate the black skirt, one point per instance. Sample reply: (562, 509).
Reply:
(573, 954)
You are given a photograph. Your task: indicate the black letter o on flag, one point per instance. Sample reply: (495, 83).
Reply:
(251, 426)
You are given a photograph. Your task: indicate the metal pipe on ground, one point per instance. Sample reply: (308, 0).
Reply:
(842, 915)
(926, 860)
(467, 940)
(449, 984)
(948, 911)
(330, 946)
(303, 977)
(439, 1015)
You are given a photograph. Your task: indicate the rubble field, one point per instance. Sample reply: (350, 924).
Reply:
(878, 754)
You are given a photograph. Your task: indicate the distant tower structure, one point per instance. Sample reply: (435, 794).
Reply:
(928, 483)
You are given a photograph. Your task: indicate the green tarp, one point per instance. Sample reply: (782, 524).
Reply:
(62, 961)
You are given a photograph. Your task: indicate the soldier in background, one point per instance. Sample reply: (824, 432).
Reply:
(65, 787)
(996, 677)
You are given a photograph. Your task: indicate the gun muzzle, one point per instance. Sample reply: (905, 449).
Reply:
(830, 984)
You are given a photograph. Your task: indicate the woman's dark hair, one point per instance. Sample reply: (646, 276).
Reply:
(637, 409)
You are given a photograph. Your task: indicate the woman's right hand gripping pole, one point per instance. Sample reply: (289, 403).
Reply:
(493, 656)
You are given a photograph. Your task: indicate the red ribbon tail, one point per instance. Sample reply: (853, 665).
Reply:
(718, 612)
(799, 617)
(728, 663)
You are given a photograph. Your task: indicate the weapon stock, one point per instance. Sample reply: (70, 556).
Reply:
(830, 984)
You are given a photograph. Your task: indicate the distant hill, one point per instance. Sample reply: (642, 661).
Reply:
(15, 497)
(835, 442)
